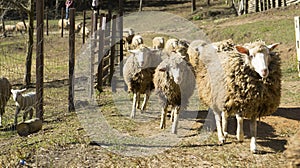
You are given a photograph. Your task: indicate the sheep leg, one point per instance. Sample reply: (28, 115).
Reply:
(146, 99)
(219, 128)
(138, 98)
(132, 115)
(16, 115)
(26, 113)
(239, 129)
(163, 117)
(172, 115)
(253, 131)
(176, 118)
(224, 123)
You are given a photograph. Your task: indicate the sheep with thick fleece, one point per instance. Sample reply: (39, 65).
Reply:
(138, 72)
(21, 27)
(245, 83)
(24, 102)
(158, 43)
(137, 40)
(5, 87)
(174, 83)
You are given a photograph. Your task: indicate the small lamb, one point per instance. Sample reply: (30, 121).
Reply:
(24, 102)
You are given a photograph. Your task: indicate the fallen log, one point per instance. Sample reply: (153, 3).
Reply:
(29, 127)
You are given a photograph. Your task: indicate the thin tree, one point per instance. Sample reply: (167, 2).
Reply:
(27, 6)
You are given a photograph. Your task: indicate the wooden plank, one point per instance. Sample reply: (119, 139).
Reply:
(297, 33)
(71, 59)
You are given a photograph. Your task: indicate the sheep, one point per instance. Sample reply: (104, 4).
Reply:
(177, 45)
(158, 43)
(66, 25)
(137, 40)
(293, 150)
(244, 82)
(24, 102)
(128, 34)
(5, 87)
(225, 45)
(9, 28)
(174, 83)
(87, 31)
(138, 72)
(20, 27)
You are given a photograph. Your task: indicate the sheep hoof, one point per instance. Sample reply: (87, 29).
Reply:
(225, 134)
(221, 142)
(255, 151)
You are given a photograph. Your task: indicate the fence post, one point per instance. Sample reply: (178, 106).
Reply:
(83, 27)
(193, 5)
(71, 59)
(100, 52)
(112, 49)
(62, 22)
(39, 59)
(297, 32)
(47, 21)
(120, 25)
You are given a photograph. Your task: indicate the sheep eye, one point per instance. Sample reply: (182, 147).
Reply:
(251, 56)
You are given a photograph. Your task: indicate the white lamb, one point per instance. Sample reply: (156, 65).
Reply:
(24, 102)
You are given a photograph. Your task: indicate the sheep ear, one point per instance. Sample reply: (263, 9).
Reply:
(273, 46)
(242, 50)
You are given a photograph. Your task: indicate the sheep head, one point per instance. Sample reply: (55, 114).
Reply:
(17, 93)
(258, 56)
(142, 56)
(175, 68)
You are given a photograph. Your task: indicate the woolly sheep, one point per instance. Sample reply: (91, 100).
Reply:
(158, 43)
(9, 28)
(24, 102)
(176, 45)
(293, 150)
(66, 25)
(20, 27)
(138, 72)
(5, 87)
(137, 40)
(87, 32)
(225, 45)
(245, 83)
(128, 34)
(174, 83)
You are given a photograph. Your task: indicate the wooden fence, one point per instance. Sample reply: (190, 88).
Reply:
(251, 6)
(107, 45)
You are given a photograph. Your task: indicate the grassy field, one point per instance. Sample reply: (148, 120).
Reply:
(66, 140)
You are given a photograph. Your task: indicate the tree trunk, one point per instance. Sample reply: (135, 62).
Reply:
(30, 13)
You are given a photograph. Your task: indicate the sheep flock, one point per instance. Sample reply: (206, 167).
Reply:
(241, 80)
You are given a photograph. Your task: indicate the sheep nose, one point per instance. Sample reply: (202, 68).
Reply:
(264, 72)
